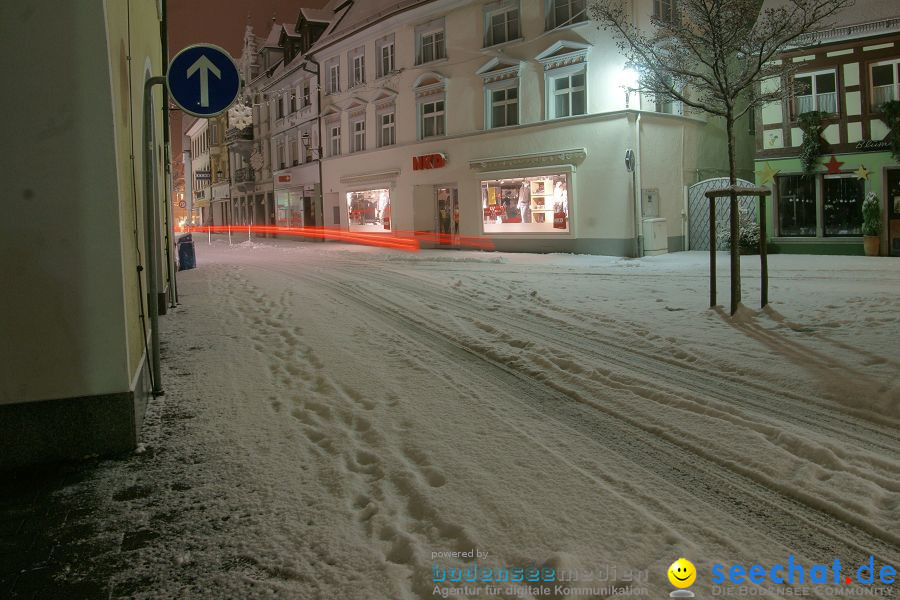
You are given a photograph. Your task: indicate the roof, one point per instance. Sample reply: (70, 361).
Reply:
(862, 12)
(318, 15)
(275, 34)
(350, 16)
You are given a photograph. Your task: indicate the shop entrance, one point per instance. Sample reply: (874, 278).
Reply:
(892, 199)
(447, 214)
(309, 212)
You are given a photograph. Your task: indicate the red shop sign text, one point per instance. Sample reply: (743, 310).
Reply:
(429, 161)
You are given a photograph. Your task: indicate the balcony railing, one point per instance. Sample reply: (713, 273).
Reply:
(234, 134)
(243, 175)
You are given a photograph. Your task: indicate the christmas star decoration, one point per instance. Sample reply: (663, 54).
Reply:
(862, 172)
(833, 165)
(767, 174)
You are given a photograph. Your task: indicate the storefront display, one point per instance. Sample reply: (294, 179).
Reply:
(288, 209)
(369, 210)
(526, 204)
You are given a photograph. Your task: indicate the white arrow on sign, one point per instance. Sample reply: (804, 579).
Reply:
(205, 66)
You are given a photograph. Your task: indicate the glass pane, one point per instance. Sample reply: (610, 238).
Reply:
(498, 116)
(561, 14)
(440, 125)
(883, 75)
(498, 33)
(803, 86)
(498, 95)
(428, 50)
(428, 108)
(842, 206)
(578, 12)
(562, 106)
(428, 129)
(439, 106)
(796, 206)
(513, 24)
(578, 80)
(561, 83)
(512, 93)
(578, 103)
(825, 83)
(512, 114)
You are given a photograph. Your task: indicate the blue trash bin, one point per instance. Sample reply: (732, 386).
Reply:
(186, 257)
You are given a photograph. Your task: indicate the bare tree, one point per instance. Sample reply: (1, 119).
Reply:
(712, 55)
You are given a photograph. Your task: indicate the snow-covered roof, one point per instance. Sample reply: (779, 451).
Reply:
(275, 34)
(318, 15)
(864, 18)
(350, 16)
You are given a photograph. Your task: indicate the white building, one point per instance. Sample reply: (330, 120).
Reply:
(506, 119)
(198, 141)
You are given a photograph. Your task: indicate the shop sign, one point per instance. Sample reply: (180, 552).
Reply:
(873, 145)
(284, 179)
(429, 161)
(559, 220)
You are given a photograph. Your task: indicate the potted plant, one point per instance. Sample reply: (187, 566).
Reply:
(871, 211)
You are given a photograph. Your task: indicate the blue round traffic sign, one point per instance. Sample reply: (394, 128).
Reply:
(203, 80)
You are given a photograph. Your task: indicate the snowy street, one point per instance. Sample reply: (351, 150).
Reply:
(339, 418)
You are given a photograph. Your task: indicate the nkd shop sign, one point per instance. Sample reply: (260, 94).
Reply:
(429, 161)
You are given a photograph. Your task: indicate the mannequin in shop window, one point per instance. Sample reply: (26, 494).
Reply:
(525, 202)
(560, 203)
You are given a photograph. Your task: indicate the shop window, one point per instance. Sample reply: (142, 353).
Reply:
(526, 204)
(815, 91)
(842, 197)
(568, 95)
(385, 48)
(503, 105)
(431, 118)
(885, 82)
(288, 209)
(501, 22)
(565, 12)
(430, 45)
(386, 130)
(369, 210)
(358, 142)
(796, 208)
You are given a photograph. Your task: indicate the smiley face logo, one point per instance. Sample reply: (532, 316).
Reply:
(682, 573)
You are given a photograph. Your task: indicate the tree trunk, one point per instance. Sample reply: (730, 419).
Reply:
(735, 227)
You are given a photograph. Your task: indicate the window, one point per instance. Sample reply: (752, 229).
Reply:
(432, 118)
(369, 210)
(280, 153)
(815, 91)
(214, 133)
(842, 197)
(819, 205)
(386, 57)
(796, 206)
(430, 42)
(357, 61)
(293, 101)
(295, 152)
(334, 140)
(280, 107)
(885, 82)
(565, 12)
(358, 141)
(305, 93)
(334, 76)
(501, 22)
(386, 131)
(664, 10)
(526, 204)
(504, 107)
(568, 95)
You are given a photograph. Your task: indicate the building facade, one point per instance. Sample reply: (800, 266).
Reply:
(504, 119)
(197, 139)
(846, 74)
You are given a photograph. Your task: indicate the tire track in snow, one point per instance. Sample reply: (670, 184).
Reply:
(726, 486)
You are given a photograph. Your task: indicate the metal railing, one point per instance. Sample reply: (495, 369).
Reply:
(233, 134)
(243, 175)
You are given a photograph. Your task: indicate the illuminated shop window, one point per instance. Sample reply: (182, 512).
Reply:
(537, 204)
(369, 210)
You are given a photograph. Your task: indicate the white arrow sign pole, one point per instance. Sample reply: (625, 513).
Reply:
(205, 66)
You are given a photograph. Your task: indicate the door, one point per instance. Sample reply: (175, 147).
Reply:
(309, 212)
(892, 200)
(447, 214)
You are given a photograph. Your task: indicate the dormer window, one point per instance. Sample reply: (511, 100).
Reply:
(501, 22)
(430, 44)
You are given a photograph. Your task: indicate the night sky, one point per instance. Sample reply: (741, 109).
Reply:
(222, 23)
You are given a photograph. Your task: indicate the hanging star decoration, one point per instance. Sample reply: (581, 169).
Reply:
(862, 172)
(767, 174)
(833, 165)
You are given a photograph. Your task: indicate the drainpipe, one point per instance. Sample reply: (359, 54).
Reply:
(636, 186)
(151, 217)
(320, 209)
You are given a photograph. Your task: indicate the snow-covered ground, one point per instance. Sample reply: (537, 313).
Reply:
(350, 412)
